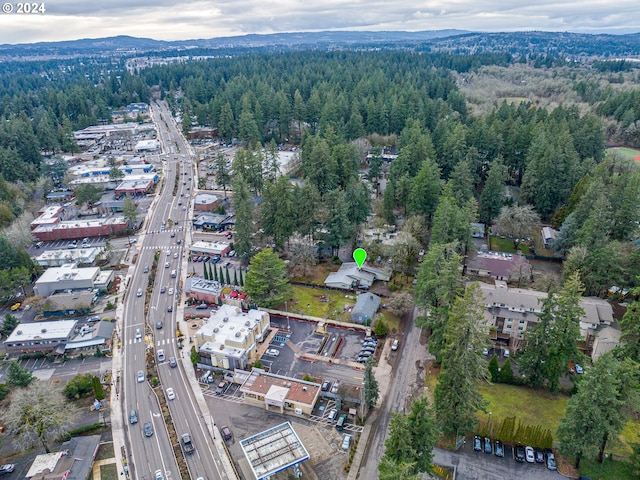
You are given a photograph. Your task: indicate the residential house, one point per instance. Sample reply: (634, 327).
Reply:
(498, 265)
(605, 340)
(73, 462)
(350, 276)
(365, 308)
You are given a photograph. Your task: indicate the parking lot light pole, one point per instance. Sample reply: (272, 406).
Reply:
(287, 309)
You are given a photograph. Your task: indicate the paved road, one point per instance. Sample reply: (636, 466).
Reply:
(165, 225)
(398, 399)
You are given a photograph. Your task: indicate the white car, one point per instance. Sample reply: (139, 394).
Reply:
(166, 264)
(171, 291)
(346, 442)
(139, 292)
(273, 352)
(159, 475)
(168, 253)
(528, 451)
(140, 376)
(161, 355)
(138, 334)
(175, 255)
(171, 394)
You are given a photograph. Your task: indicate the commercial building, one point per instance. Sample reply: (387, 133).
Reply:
(274, 450)
(205, 202)
(79, 256)
(133, 188)
(210, 248)
(287, 395)
(202, 290)
(147, 146)
(74, 229)
(70, 277)
(214, 221)
(228, 340)
(48, 216)
(41, 337)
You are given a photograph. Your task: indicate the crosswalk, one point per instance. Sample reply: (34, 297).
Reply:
(159, 343)
(162, 247)
(171, 230)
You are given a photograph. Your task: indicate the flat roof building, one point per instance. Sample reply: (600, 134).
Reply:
(48, 216)
(198, 288)
(273, 451)
(45, 337)
(205, 202)
(73, 229)
(210, 248)
(228, 340)
(214, 221)
(70, 277)
(79, 256)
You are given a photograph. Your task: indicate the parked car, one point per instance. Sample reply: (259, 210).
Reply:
(272, 352)
(366, 353)
(148, 429)
(93, 319)
(477, 443)
(221, 388)
(551, 461)
(346, 442)
(226, 433)
(7, 468)
(332, 415)
(171, 395)
(133, 417)
(362, 360)
(140, 376)
(498, 449)
(485, 351)
(579, 369)
(572, 368)
(173, 363)
(326, 385)
(539, 454)
(202, 306)
(394, 345)
(529, 456)
(487, 445)
(519, 453)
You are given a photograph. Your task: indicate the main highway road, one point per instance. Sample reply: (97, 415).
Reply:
(165, 232)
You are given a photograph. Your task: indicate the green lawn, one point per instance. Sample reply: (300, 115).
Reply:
(506, 245)
(333, 309)
(610, 469)
(533, 407)
(109, 472)
(625, 152)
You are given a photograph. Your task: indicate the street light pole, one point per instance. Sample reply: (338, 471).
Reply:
(287, 309)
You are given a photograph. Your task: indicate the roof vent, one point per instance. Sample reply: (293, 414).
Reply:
(247, 323)
(44, 330)
(19, 332)
(225, 319)
(304, 389)
(216, 330)
(238, 334)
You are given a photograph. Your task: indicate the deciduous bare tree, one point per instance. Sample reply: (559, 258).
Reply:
(38, 413)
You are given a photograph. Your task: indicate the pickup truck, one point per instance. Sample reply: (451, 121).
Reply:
(186, 444)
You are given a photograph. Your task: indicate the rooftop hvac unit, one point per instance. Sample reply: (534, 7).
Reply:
(44, 330)
(247, 323)
(238, 334)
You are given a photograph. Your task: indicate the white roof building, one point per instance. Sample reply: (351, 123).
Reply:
(229, 339)
(57, 258)
(70, 277)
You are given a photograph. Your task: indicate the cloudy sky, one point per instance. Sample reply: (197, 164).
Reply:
(175, 20)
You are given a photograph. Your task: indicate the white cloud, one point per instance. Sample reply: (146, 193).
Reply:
(171, 20)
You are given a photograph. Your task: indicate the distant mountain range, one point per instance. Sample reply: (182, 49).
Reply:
(453, 41)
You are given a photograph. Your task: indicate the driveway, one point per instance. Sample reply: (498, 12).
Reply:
(480, 466)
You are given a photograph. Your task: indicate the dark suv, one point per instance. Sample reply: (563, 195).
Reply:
(519, 453)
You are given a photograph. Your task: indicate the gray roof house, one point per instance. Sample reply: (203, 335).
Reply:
(365, 308)
(548, 236)
(350, 276)
(73, 462)
(606, 340)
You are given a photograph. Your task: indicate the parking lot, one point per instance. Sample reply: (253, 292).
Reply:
(322, 441)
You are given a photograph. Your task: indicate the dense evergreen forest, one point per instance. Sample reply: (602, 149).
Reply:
(324, 101)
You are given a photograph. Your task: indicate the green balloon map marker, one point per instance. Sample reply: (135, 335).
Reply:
(360, 255)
